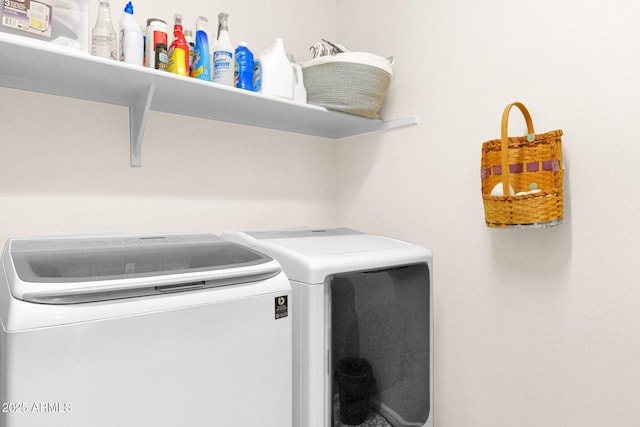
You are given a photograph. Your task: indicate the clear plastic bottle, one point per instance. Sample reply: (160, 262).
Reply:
(104, 41)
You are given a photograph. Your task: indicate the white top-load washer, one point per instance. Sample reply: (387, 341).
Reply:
(143, 330)
(362, 296)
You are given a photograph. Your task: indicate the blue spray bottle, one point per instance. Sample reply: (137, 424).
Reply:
(201, 68)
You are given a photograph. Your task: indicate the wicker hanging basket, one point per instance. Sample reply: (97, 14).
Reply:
(532, 166)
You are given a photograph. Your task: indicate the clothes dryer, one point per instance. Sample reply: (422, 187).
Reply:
(356, 297)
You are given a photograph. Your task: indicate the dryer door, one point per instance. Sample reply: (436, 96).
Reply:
(380, 338)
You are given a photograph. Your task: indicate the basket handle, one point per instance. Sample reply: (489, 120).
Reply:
(504, 135)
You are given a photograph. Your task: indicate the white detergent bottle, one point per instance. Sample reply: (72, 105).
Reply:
(223, 54)
(131, 38)
(277, 72)
(299, 91)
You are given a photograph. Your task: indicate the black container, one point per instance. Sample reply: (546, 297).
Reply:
(355, 387)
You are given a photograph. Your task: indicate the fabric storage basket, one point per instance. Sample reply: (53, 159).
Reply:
(532, 166)
(351, 82)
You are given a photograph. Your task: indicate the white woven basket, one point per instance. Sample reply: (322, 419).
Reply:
(353, 82)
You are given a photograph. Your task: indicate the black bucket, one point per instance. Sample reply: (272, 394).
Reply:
(355, 387)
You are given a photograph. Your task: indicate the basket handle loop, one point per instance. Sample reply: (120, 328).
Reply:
(504, 135)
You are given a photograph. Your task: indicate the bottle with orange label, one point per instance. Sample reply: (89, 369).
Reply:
(179, 50)
(156, 44)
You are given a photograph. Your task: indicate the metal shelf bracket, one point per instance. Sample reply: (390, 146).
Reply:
(138, 112)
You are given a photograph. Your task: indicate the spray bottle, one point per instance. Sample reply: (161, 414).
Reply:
(201, 68)
(223, 57)
(179, 50)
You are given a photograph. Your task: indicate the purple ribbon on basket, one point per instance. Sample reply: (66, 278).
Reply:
(546, 165)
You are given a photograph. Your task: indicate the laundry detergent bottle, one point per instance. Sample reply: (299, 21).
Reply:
(201, 68)
(299, 91)
(179, 50)
(223, 57)
(277, 71)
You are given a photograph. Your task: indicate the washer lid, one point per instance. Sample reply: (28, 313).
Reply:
(85, 269)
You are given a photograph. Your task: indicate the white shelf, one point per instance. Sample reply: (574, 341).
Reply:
(37, 66)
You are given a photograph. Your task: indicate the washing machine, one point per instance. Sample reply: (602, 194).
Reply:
(361, 298)
(143, 330)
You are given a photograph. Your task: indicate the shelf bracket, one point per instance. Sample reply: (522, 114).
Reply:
(376, 126)
(399, 123)
(139, 107)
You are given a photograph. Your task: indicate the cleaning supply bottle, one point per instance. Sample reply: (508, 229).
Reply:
(201, 59)
(299, 91)
(223, 60)
(244, 67)
(179, 50)
(277, 71)
(131, 38)
(188, 36)
(156, 44)
(104, 42)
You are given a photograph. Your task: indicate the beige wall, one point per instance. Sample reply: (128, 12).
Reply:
(532, 327)
(70, 173)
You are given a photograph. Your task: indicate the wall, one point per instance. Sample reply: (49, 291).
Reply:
(532, 327)
(64, 163)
